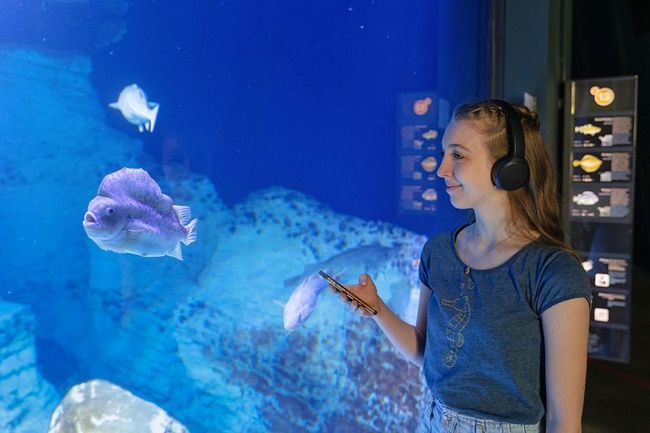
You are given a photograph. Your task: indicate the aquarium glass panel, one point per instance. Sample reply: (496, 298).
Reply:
(173, 177)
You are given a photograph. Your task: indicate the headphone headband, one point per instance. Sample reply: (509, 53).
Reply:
(511, 172)
(514, 130)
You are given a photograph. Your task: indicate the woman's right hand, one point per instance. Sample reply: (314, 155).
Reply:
(365, 290)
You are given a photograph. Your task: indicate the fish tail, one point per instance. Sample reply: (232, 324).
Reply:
(191, 232)
(152, 117)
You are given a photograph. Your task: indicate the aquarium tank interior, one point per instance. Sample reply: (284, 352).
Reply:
(172, 172)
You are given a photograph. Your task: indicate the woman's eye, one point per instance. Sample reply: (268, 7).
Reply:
(454, 155)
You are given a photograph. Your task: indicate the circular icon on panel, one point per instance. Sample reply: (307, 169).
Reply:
(603, 96)
(421, 106)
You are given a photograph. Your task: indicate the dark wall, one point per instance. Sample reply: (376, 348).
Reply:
(612, 38)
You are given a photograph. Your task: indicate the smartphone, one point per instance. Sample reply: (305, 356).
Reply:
(351, 296)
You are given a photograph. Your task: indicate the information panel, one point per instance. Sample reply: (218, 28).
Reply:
(419, 150)
(599, 183)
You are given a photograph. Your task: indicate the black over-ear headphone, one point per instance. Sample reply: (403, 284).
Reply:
(511, 172)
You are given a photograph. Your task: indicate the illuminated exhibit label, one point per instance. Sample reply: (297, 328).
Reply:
(603, 131)
(596, 166)
(419, 151)
(599, 196)
(600, 202)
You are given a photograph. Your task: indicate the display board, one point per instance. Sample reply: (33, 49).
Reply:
(422, 118)
(599, 156)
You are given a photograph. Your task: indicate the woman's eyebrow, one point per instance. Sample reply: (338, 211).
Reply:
(456, 146)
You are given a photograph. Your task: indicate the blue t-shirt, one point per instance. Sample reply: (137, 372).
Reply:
(484, 346)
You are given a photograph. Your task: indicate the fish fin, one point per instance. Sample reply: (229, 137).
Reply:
(183, 213)
(176, 252)
(138, 185)
(114, 105)
(191, 232)
(293, 281)
(280, 303)
(140, 128)
(153, 114)
(133, 236)
(308, 270)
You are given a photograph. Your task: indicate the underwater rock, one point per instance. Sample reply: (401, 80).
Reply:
(324, 375)
(98, 406)
(60, 120)
(27, 399)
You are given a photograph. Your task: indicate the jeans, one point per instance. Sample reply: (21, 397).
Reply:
(437, 418)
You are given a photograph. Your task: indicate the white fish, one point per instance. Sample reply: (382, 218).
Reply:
(135, 107)
(349, 263)
(302, 301)
(586, 198)
(130, 214)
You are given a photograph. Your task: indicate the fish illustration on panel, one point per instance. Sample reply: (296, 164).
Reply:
(588, 129)
(586, 198)
(135, 108)
(130, 214)
(589, 163)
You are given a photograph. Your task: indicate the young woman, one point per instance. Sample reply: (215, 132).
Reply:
(502, 328)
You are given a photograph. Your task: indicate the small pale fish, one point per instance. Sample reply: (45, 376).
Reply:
(348, 264)
(130, 214)
(586, 198)
(302, 301)
(135, 108)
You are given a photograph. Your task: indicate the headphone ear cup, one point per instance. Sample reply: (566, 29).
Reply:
(510, 173)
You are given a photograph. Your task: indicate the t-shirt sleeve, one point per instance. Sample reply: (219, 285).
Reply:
(561, 278)
(425, 264)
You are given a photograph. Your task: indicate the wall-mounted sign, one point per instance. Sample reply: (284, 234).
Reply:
(419, 151)
(599, 195)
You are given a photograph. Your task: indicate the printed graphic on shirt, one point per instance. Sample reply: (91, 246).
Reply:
(455, 326)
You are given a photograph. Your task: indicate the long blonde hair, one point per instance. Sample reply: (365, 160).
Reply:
(535, 206)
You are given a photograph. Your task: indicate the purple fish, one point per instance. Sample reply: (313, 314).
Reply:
(131, 215)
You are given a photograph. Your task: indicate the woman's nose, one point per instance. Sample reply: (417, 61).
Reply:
(444, 169)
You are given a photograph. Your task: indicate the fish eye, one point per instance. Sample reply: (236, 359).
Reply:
(110, 210)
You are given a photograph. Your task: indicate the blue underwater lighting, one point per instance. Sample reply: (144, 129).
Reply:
(274, 127)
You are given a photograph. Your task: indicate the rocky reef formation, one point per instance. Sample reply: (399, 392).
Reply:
(336, 372)
(26, 399)
(98, 406)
